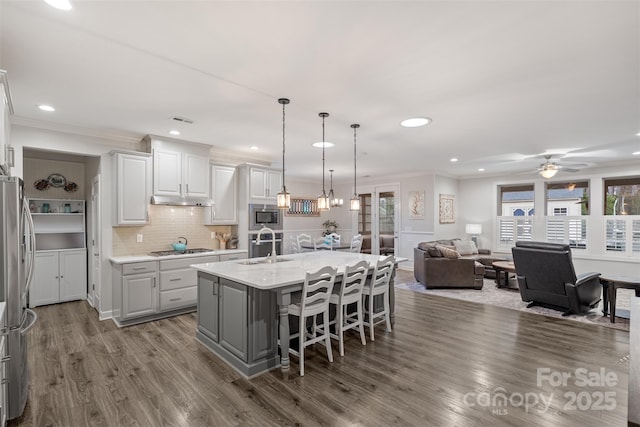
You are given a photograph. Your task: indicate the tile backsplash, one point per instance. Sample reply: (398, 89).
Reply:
(166, 224)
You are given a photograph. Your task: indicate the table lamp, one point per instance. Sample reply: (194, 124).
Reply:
(474, 230)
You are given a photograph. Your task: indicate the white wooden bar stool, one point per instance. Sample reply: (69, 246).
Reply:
(379, 285)
(349, 292)
(314, 300)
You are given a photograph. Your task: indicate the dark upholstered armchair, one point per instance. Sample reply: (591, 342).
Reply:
(546, 277)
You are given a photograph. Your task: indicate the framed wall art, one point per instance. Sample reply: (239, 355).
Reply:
(416, 204)
(446, 210)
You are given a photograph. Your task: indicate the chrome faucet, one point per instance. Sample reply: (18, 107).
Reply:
(272, 256)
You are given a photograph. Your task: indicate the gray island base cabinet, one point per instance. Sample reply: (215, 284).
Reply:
(243, 307)
(238, 323)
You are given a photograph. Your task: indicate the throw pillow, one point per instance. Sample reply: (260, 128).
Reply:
(448, 252)
(466, 247)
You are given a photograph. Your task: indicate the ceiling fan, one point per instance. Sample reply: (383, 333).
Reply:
(548, 169)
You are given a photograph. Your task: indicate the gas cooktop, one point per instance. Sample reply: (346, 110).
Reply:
(185, 252)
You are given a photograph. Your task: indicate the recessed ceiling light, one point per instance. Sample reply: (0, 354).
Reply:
(327, 144)
(59, 4)
(253, 147)
(636, 153)
(453, 160)
(47, 108)
(481, 170)
(174, 132)
(415, 122)
(638, 134)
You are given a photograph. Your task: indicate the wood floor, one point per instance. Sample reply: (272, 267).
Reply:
(445, 361)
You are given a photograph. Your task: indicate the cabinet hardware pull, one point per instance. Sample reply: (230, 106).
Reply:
(175, 280)
(154, 282)
(180, 189)
(187, 185)
(175, 299)
(139, 268)
(5, 359)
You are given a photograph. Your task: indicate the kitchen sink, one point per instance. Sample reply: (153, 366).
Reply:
(254, 261)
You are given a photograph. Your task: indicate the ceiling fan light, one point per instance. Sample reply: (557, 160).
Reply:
(548, 172)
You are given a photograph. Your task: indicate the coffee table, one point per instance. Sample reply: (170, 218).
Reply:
(505, 267)
(610, 285)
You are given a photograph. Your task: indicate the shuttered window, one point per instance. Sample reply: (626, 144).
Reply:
(616, 235)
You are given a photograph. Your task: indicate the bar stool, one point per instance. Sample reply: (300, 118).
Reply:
(379, 285)
(350, 292)
(314, 300)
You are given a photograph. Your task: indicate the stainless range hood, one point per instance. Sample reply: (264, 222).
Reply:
(181, 201)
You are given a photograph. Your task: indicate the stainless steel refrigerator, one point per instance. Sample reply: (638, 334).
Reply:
(17, 252)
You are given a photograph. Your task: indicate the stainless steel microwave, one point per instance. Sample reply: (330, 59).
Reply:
(265, 216)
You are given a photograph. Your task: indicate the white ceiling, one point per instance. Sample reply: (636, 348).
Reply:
(503, 81)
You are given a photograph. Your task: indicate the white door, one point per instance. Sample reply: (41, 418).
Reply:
(95, 290)
(139, 295)
(224, 192)
(386, 211)
(45, 285)
(167, 173)
(379, 218)
(196, 176)
(73, 275)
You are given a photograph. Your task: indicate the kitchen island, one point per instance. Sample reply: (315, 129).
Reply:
(240, 302)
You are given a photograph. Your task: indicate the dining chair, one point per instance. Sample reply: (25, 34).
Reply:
(312, 301)
(356, 243)
(295, 247)
(379, 285)
(304, 239)
(349, 292)
(335, 238)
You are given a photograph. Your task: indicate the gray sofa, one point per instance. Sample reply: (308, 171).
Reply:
(434, 270)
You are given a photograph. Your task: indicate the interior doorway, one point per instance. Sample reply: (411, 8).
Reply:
(378, 219)
(94, 247)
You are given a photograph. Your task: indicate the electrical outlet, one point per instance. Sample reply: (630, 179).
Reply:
(213, 234)
(139, 238)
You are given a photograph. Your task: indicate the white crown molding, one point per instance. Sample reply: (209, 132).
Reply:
(128, 138)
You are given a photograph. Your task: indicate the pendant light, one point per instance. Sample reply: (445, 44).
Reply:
(283, 198)
(323, 199)
(354, 203)
(334, 202)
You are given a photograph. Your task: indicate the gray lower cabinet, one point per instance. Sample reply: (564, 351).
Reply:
(238, 323)
(208, 307)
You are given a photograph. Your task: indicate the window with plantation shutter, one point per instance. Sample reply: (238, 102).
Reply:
(616, 235)
(635, 236)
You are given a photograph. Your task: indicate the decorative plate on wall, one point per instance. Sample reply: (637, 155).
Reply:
(56, 180)
(71, 187)
(41, 184)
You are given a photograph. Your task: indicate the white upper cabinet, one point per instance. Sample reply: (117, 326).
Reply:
(179, 169)
(264, 184)
(224, 192)
(196, 175)
(6, 110)
(133, 188)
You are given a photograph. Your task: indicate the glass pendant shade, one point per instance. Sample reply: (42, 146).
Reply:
(283, 198)
(354, 203)
(334, 202)
(323, 202)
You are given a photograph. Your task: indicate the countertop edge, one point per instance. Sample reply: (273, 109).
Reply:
(124, 259)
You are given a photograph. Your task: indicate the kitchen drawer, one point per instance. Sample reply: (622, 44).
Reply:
(139, 267)
(171, 264)
(177, 279)
(178, 298)
(230, 257)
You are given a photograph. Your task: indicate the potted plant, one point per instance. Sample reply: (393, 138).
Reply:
(330, 226)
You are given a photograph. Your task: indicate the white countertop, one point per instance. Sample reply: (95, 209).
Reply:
(140, 258)
(271, 276)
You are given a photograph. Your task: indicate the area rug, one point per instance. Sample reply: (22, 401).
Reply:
(508, 298)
